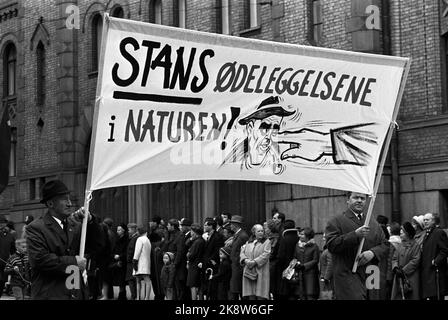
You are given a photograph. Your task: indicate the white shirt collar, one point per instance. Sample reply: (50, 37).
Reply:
(59, 222)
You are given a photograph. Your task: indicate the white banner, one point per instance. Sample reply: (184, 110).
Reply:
(175, 104)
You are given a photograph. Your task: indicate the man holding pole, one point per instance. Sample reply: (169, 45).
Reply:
(344, 234)
(54, 244)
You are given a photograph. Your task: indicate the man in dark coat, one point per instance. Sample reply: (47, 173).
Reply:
(180, 261)
(240, 238)
(7, 248)
(210, 258)
(130, 279)
(287, 245)
(433, 263)
(53, 246)
(344, 233)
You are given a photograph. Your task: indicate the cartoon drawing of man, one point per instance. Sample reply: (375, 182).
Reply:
(259, 148)
(265, 146)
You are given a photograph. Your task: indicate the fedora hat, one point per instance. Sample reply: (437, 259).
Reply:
(185, 222)
(237, 219)
(268, 107)
(52, 189)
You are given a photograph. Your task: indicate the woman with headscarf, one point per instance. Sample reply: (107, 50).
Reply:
(119, 260)
(417, 223)
(405, 263)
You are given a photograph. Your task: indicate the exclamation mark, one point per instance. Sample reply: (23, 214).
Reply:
(235, 113)
(112, 126)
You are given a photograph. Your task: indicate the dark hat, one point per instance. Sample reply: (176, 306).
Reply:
(52, 189)
(226, 250)
(409, 229)
(185, 222)
(268, 107)
(3, 219)
(236, 219)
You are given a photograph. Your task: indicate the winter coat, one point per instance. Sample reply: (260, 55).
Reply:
(273, 258)
(167, 277)
(326, 265)
(51, 250)
(156, 266)
(286, 250)
(222, 277)
(142, 253)
(239, 239)
(171, 242)
(308, 255)
(180, 260)
(119, 269)
(435, 247)
(211, 251)
(194, 257)
(260, 252)
(130, 256)
(407, 256)
(343, 243)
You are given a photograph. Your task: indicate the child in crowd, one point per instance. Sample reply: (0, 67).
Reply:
(19, 269)
(307, 255)
(224, 273)
(167, 275)
(194, 257)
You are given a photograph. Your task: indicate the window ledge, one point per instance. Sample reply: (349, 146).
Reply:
(92, 74)
(249, 32)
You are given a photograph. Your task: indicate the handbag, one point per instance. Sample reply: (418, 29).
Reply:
(250, 274)
(407, 288)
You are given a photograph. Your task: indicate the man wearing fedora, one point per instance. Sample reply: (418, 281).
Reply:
(180, 261)
(239, 239)
(53, 246)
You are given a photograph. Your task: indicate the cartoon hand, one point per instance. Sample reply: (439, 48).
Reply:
(305, 145)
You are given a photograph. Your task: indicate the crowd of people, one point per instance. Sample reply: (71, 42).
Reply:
(217, 259)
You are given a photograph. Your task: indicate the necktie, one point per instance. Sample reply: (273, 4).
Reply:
(64, 225)
(359, 216)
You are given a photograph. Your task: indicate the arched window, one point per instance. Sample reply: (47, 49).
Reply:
(40, 74)
(97, 31)
(182, 13)
(117, 12)
(10, 61)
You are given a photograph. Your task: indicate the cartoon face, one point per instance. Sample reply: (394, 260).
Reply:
(260, 133)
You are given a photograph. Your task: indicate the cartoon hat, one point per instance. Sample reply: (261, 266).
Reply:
(53, 188)
(268, 107)
(409, 229)
(237, 219)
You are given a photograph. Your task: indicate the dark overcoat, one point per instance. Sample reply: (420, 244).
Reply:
(435, 247)
(286, 250)
(51, 250)
(236, 282)
(343, 243)
(309, 256)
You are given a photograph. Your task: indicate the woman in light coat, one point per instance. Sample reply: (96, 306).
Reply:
(405, 263)
(142, 264)
(254, 256)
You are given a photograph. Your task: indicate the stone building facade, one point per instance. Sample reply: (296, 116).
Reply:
(48, 73)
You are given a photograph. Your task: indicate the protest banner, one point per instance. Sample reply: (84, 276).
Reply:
(175, 104)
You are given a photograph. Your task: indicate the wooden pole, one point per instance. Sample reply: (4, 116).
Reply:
(383, 159)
